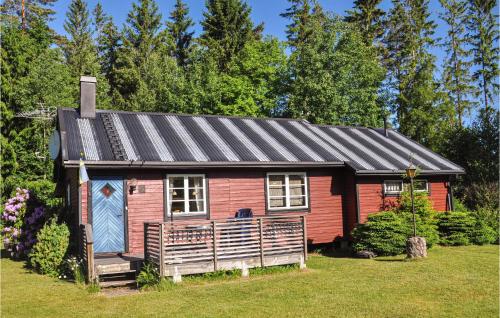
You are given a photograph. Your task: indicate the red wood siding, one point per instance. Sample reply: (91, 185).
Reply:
(144, 207)
(230, 190)
(372, 200)
(332, 200)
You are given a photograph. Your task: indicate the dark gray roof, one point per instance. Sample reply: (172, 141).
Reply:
(155, 139)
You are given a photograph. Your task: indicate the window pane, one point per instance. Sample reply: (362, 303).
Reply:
(278, 202)
(196, 194)
(276, 192)
(177, 207)
(196, 206)
(297, 190)
(420, 185)
(276, 180)
(176, 182)
(176, 194)
(295, 180)
(297, 201)
(393, 186)
(195, 182)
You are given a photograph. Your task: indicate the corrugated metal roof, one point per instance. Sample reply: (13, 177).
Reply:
(115, 137)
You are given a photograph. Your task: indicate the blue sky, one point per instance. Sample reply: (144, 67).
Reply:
(267, 11)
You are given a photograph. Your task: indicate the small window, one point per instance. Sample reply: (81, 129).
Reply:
(393, 187)
(186, 194)
(418, 186)
(287, 191)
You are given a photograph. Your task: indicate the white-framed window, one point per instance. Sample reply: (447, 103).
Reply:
(393, 186)
(186, 194)
(287, 190)
(418, 186)
(397, 186)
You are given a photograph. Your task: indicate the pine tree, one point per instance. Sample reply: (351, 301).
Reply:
(142, 31)
(368, 17)
(227, 27)
(411, 67)
(28, 11)
(483, 33)
(456, 75)
(108, 43)
(178, 27)
(79, 48)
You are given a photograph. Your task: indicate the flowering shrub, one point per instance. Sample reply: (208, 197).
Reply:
(12, 222)
(20, 223)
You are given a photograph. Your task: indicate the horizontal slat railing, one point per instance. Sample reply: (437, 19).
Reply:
(198, 246)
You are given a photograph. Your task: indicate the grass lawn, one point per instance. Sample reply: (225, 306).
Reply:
(452, 282)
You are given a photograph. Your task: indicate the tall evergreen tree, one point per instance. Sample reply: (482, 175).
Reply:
(79, 48)
(367, 15)
(456, 74)
(108, 43)
(227, 27)
(142, 31)
(483, 33)
(28, 11)
(178, 27)
(411, 69)
(333, 74)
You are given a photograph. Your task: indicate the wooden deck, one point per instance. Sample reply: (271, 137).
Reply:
(201, 246)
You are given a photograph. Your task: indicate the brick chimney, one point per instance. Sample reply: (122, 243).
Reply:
(87, 96)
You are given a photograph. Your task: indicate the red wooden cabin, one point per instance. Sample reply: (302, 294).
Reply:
(161, 167)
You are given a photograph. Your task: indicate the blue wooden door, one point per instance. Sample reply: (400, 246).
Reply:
(107, 215)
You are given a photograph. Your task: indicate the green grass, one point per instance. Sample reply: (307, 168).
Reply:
(451, 282)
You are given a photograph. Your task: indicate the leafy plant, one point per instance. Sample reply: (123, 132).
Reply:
(455, 228)
(48, 253)
(149, 276)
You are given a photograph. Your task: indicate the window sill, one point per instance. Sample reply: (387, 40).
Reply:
(289, 210)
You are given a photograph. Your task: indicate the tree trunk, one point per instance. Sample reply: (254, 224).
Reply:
(416, 247)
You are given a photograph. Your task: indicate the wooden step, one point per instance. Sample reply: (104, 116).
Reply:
(124, 272)
(117, 283)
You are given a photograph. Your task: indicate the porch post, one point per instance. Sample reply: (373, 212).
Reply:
(162, 250)
(214, 244)
(304, 235)
(261, 241)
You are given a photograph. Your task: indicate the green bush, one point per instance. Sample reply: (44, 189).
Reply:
(149, 276)
(455, 228)
(464, 228)
(48, 253)
(490, 217)
(483, 233)
(386, 233)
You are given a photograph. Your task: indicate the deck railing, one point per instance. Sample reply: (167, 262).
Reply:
(200, 246)
(87, 251)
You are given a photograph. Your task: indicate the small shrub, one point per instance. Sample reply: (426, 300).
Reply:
(455, 228)
(48, 253)
(482, 234)
(489, 217)
(149, 276)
